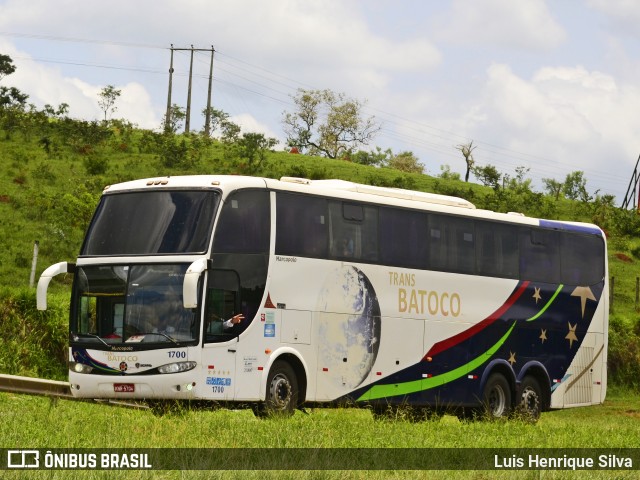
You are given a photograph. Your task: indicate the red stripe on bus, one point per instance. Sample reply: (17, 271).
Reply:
(462, 336)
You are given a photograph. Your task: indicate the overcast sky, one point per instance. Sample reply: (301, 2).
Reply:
(552, 86)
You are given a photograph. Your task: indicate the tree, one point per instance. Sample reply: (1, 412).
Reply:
(553, 187)
(406, 162)
(6, 66)
(10, 96)
(467, 152)
(489, 176)
(575, 186)
(253, 148)
(327, 123)
(177, 116)
(108, 96)
(216, 118)
(518, 184)
(447, 174)
(376, 158)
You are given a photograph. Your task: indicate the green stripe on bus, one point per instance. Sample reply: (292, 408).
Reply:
(544, 309)
(382, 391)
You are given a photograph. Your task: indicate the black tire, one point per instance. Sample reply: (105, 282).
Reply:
(496, 397)
(282, 390)
(529, 406)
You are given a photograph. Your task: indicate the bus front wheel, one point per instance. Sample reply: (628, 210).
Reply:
(282, 391)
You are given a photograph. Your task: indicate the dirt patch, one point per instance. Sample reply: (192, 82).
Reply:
(5, 199)
(624, 258)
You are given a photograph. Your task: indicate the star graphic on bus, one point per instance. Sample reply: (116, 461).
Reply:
(536, 294)
(512, 357)
(571, 336)
(585, 294)
(543, 335)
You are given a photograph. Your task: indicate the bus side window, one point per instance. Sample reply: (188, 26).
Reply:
(220, 307)
(222, 301)
(244, 223)
(496, 250)
(353, 231)
(404, 238)
(540, 255)
(301, 225)
(575, 249)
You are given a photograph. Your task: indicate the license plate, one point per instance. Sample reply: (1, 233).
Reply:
(124, 387)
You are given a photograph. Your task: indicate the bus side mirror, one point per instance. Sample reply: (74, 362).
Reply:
(190, 285)
(45, 278)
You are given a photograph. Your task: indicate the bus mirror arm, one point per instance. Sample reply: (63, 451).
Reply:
(45, 278)
(190, 285)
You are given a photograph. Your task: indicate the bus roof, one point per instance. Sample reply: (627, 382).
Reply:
(383, 191)
(345, 190)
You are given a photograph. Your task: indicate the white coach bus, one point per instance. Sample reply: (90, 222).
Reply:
(351, 294)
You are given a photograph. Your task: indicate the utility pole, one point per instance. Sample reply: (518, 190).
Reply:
(34, 263)
(632, 197)
(207, 121)
(167, 120)
(188, 119)
(187, 124)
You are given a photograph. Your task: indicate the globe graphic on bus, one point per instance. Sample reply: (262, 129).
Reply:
(349, 326)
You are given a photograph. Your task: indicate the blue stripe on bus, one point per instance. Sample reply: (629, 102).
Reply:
(570, 226)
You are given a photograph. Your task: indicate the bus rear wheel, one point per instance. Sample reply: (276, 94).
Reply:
(496, 397)
(530, 405)
(282, 391)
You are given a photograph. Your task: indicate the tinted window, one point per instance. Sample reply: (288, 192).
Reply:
(302, 226)
(404, 238)
(540, 255)
(353, 231)
(451, 244)
(152, 222)
(581, 259)
(496, 249)
(244, 223)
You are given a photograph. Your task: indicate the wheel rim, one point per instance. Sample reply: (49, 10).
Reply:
(280, 392)
(497, 401)
(530, 402)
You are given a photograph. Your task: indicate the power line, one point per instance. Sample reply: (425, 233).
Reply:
(80, 40)
(242, 76)
(92, 65)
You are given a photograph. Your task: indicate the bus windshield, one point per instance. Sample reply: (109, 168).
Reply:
(152, 222)
(132, 304)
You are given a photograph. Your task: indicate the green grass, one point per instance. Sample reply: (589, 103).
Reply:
(38, 422)
(50, 198)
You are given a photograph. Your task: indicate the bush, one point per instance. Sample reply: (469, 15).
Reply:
(95, 164)
(33, 343)
(624, 353)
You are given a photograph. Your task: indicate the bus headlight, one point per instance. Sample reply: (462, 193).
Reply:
(80, 367)
(177, 367)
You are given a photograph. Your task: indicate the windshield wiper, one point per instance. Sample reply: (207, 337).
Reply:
(159, 333)
(92, 335)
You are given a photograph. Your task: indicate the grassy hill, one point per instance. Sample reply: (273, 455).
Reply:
(53, 173)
